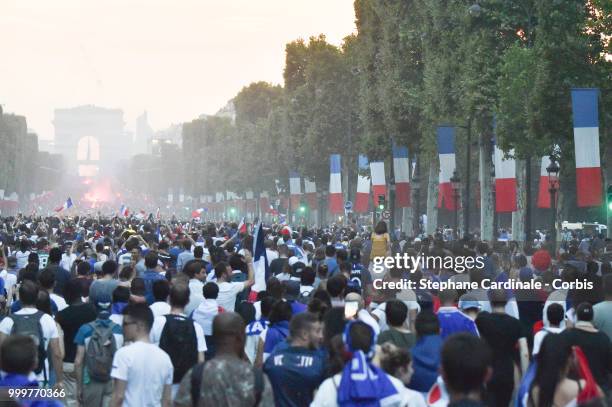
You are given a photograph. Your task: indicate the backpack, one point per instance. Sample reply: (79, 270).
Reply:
(178, 339)
(29, 325)
(196, 382)
(100, 351)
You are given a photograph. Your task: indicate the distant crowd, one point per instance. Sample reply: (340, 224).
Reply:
(169, 312)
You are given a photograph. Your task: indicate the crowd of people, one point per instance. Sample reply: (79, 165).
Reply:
(150, 312)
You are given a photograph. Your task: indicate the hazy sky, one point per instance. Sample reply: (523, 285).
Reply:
(174, 58)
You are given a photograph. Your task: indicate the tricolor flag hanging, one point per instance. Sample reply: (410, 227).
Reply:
(310, 189)
(377, 173)
(124, 211)
(335, 185)
(446, 154)
(586, 144)
(401, 170)
(543, 192)
(362, 197)
(505, 181)
(295, 189)
(68, 204)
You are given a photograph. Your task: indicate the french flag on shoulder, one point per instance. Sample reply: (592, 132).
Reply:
(68, 204)
(335, 185)
(401, 170)
(362, 198)
(446, 153)
(505, 181)
(586, 144)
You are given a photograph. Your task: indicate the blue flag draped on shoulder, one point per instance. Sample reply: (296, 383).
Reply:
(260, 260)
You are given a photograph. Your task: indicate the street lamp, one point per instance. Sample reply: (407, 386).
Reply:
(553, 187)
(475, 10)
(455, 185)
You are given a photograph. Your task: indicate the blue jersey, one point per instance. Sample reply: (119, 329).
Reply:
(294, 373)
(453, 321)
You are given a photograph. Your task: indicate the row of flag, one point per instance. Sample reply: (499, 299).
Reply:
(588, 173)
(586, 147)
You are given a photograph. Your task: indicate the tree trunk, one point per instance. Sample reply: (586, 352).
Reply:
(408, 220)
(432, 197)
(487, 205)
(518, 217)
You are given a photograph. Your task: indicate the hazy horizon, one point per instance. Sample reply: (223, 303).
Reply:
(176, 60)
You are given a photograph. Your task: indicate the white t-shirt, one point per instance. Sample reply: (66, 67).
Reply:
(539, 337)
(22, 258)
(160, 308)
(66, 262)
(59, 301)
(49, 329)
(10, 280)
(158, 328)
(227, 294)
(327, 395)
(195, 295)
(146, 369)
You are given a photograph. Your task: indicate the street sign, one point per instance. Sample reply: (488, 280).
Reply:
(386, 215)
(348, 205)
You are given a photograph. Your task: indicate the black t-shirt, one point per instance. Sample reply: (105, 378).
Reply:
(598, 351)
(502, 333)
(71, 319)
(85, 283)
(277, 265)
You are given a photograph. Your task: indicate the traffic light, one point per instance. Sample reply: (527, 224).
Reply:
(302, 208)
(609, 197)
(381, 203)
(232, 211)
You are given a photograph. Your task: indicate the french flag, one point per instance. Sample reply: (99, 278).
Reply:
(124, 211)
(295, 189)
(242, 227)
(68, 204)
(543, 192)
(362, 197)
(377, 172)
(197, 213)
(401, 170)
(260, 261)
(446, 153)
(505, 181)
(310, 189)
(586, 144)
(335, 185)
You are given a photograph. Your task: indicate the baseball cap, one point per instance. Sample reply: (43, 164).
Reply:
(468, 301)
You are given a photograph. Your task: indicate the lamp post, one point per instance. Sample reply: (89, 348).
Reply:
(494, 197)
(455, 185)
(553, 187)
(416, 185)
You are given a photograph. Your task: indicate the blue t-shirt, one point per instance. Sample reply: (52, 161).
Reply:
(453, 321)
(150, 276)
(294, 374)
